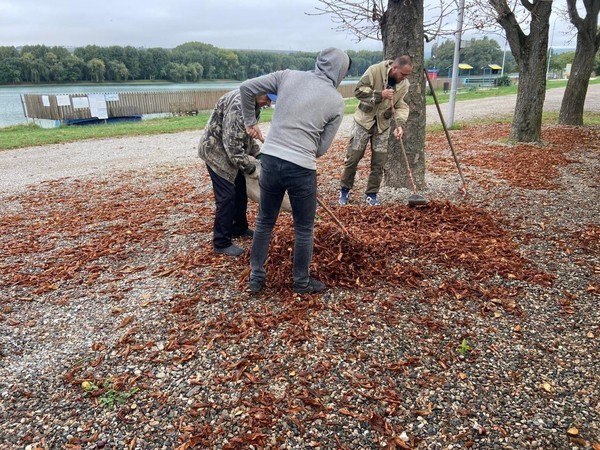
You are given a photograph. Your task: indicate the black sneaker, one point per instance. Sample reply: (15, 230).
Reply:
(232, 250)
(248, 232)
(312, 287)
(256, 286)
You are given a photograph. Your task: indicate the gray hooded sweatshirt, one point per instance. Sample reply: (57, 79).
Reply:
(308, 111)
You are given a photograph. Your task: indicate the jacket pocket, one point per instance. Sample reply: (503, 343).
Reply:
(365, 107)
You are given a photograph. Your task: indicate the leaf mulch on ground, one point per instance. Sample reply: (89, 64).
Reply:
(470, 323)
(529, 166)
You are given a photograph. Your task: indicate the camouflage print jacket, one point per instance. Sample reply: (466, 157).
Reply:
(372, 108)
(225, 146)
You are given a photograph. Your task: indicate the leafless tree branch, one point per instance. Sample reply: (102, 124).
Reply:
(363, 17)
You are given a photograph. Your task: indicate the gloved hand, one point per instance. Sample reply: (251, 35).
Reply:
(256, 172)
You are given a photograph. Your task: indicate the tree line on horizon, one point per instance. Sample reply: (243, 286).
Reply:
(189, 62)
(197, 61)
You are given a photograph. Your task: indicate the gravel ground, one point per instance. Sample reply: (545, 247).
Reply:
(472, 323)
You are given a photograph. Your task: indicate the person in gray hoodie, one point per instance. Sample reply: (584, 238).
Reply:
(308, 114)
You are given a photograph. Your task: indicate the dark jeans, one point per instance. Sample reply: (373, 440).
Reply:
(231, 202)
(277, 177)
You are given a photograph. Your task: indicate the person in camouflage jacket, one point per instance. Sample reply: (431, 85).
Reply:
(230, 154)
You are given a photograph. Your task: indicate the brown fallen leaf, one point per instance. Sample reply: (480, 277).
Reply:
(396, 442)
(126, 321)
(578, 441)
(423, 412)
(347, 412)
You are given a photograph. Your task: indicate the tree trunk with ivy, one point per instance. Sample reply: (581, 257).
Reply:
(402, 32)
(588, 43)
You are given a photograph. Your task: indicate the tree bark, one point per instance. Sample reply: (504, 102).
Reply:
(531, 53)
(588, 43)
(402, 31)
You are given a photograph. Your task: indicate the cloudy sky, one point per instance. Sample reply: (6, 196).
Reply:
(233, 24)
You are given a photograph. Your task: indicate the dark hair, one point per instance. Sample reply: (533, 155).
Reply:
(349, 63)
(403, 60)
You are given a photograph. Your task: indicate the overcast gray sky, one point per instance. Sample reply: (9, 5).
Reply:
(232, 24)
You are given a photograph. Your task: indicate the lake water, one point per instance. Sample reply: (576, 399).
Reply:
(11, 109)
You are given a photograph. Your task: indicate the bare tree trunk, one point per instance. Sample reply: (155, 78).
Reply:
(527, 120)
(588, 42)
(530, 52)
(402, 31)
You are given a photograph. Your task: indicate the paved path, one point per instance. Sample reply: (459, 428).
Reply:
(102, 157)
(504, 105)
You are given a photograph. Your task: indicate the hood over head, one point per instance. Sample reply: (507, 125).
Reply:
(333, 63)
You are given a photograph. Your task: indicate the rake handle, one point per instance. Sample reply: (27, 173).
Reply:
(445, 129)
(332, 215)
(408, 169)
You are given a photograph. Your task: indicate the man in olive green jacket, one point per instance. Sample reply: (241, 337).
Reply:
(381, 92)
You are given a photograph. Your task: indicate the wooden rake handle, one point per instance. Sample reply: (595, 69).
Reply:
(332, 215)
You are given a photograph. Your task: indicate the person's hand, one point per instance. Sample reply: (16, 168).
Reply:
(255, 133)
(256, 172)
(398, 132)
(387, 94)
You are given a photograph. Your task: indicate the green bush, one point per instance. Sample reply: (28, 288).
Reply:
(503, 81)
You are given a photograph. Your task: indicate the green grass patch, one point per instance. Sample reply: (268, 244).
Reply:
(589, 118)
(19, 136)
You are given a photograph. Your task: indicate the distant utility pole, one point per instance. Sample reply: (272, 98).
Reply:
(550, 49)
(503, 57)
(457, 39)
